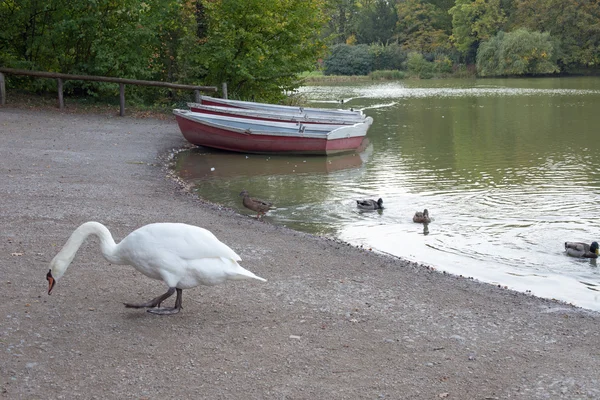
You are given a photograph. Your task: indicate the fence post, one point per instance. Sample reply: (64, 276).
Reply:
(2, 90)
(61, 100)
(196, 95)
(225, 90)
(122, 99)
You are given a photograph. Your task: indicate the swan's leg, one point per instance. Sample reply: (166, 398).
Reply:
(169, 310)
(154, 302)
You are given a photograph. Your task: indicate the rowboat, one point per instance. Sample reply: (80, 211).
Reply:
(269, 108)
(283, 115)
(269, 137)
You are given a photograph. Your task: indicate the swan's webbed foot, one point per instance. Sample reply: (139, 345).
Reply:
(156, 301)
(169, 310)
(164, 310)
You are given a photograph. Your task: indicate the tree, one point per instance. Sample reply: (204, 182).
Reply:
(341, 15)
(260, 46)
(517, 53)
(576, 24)
(376, 22)
(474, 21)
(422, 26)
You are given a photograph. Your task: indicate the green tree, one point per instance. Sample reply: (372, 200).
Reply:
(126, 38)
(376, 22)
(474, 21)
(340, 16)
(517, 53)
(422, 26)
(260, 46)
(576, 24)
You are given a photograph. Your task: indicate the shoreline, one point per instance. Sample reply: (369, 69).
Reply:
(333, 321)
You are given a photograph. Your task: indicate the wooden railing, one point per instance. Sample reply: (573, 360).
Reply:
(121, 81)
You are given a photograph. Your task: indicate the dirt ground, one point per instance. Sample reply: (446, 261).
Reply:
(332, 322)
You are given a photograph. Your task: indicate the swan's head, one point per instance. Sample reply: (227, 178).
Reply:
(594, 247)
(58, 266)
(380, 202)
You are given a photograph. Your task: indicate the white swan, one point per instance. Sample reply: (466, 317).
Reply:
(183, 256)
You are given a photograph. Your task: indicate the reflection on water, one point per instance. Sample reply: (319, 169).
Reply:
(507, 168)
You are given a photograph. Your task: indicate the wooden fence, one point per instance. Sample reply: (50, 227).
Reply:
(122, 82)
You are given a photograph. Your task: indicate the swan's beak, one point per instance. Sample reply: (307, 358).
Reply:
(51, 281)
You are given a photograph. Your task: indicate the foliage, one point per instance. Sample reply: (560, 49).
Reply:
(125, 39)
(418, 66)
(442, 65)
(260, 46)
(257, 46)
(340, 16)
(517, 53)
(474, 21)
(422, 26)
(376, 22)
(390, 57)
(387, 75)
(349, 60)
(575, 24)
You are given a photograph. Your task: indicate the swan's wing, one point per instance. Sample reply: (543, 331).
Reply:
(185, 241)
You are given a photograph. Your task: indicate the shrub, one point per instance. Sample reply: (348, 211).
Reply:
(418, 66)
(349, 60)
(387, 74)
(388, 57)
(518, 53)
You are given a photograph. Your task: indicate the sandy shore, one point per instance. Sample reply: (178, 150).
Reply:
(332, 322)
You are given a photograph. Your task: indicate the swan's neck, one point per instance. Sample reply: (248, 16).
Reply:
(63, 259)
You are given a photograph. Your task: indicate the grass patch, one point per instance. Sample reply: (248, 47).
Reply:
(387, 75)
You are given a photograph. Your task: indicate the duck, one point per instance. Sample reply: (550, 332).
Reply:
(422, 217)
(251, 203)
(370, 204)
(182, 256)
(584, 250)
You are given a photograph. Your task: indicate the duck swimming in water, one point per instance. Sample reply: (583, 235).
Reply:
(370, 204)
(422, 217)
(582, 250)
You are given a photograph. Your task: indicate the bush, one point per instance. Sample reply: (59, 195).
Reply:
(418, 66)
(388, 57)
(518, 53)
(387, 74)
(442, 65)
(349, 60)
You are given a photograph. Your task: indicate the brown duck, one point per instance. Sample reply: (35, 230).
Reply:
(422, 217)
(260, 206)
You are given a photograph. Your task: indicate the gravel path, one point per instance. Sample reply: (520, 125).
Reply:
(332, 322)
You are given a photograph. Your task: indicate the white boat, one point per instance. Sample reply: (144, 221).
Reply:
(283, 115)
(250, 105)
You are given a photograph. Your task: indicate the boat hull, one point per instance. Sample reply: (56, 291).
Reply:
(215, 134)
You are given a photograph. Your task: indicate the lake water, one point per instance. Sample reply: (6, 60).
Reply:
(508, 169)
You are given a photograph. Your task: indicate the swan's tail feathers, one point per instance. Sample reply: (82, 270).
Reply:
(245, 274)
(237, 272)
